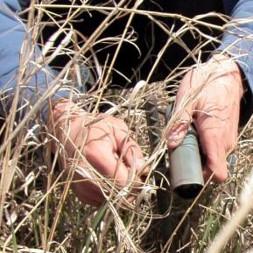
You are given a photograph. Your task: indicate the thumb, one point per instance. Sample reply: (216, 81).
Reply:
(178, 126)
(182, 116)
(176, 134)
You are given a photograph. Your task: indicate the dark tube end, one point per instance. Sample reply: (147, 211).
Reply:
(188, 191)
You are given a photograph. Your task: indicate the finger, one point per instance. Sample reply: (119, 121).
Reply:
(216, 165)
(207, 174)
(232, 130)
(102, 157)
(87, 191)
(128, 149)
(177, 132)
(131, 152)
(214, 147)
(182, 117)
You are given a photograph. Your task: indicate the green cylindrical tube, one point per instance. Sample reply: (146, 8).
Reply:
(186, 177)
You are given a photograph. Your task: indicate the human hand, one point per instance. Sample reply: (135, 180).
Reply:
(209, 96)
(101, 142)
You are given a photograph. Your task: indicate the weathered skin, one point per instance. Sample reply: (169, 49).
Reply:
(214, 111)
(105, 144)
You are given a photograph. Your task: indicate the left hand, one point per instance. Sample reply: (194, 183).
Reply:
(209, 96)
(97, 146)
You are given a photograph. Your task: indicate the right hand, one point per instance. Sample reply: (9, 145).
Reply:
(209, 96)
(102, 142)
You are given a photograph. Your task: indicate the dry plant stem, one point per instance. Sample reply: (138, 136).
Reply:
(163, 50)
(240, 215)
(9, 165)
(119, 46)
(107, 219)
(34, 18)
(100, 29)
(51, 90)
(6, 243)
(175, 37)
(168, 243)
(51, 165)
(23, 249)
(245, 128)
(42, 59)
(95, 222)
(211, 210)
(174, 74)
(229, 228)
(77, 157)
(65, 191)
(128, 235)
(193, 21)
(8, 171)
(59, 207)
(55, 85)
(137, 89)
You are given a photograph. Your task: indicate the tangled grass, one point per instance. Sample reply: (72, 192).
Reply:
(39, 212)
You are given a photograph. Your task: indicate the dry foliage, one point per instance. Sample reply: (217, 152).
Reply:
(38, 211)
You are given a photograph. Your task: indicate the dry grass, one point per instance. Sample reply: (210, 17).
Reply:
(38, 211)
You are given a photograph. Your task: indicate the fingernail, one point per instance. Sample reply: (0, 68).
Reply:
(175, 136)
(172, 136)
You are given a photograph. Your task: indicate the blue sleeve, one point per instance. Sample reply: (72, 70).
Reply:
(238, 38)
(35, 79)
